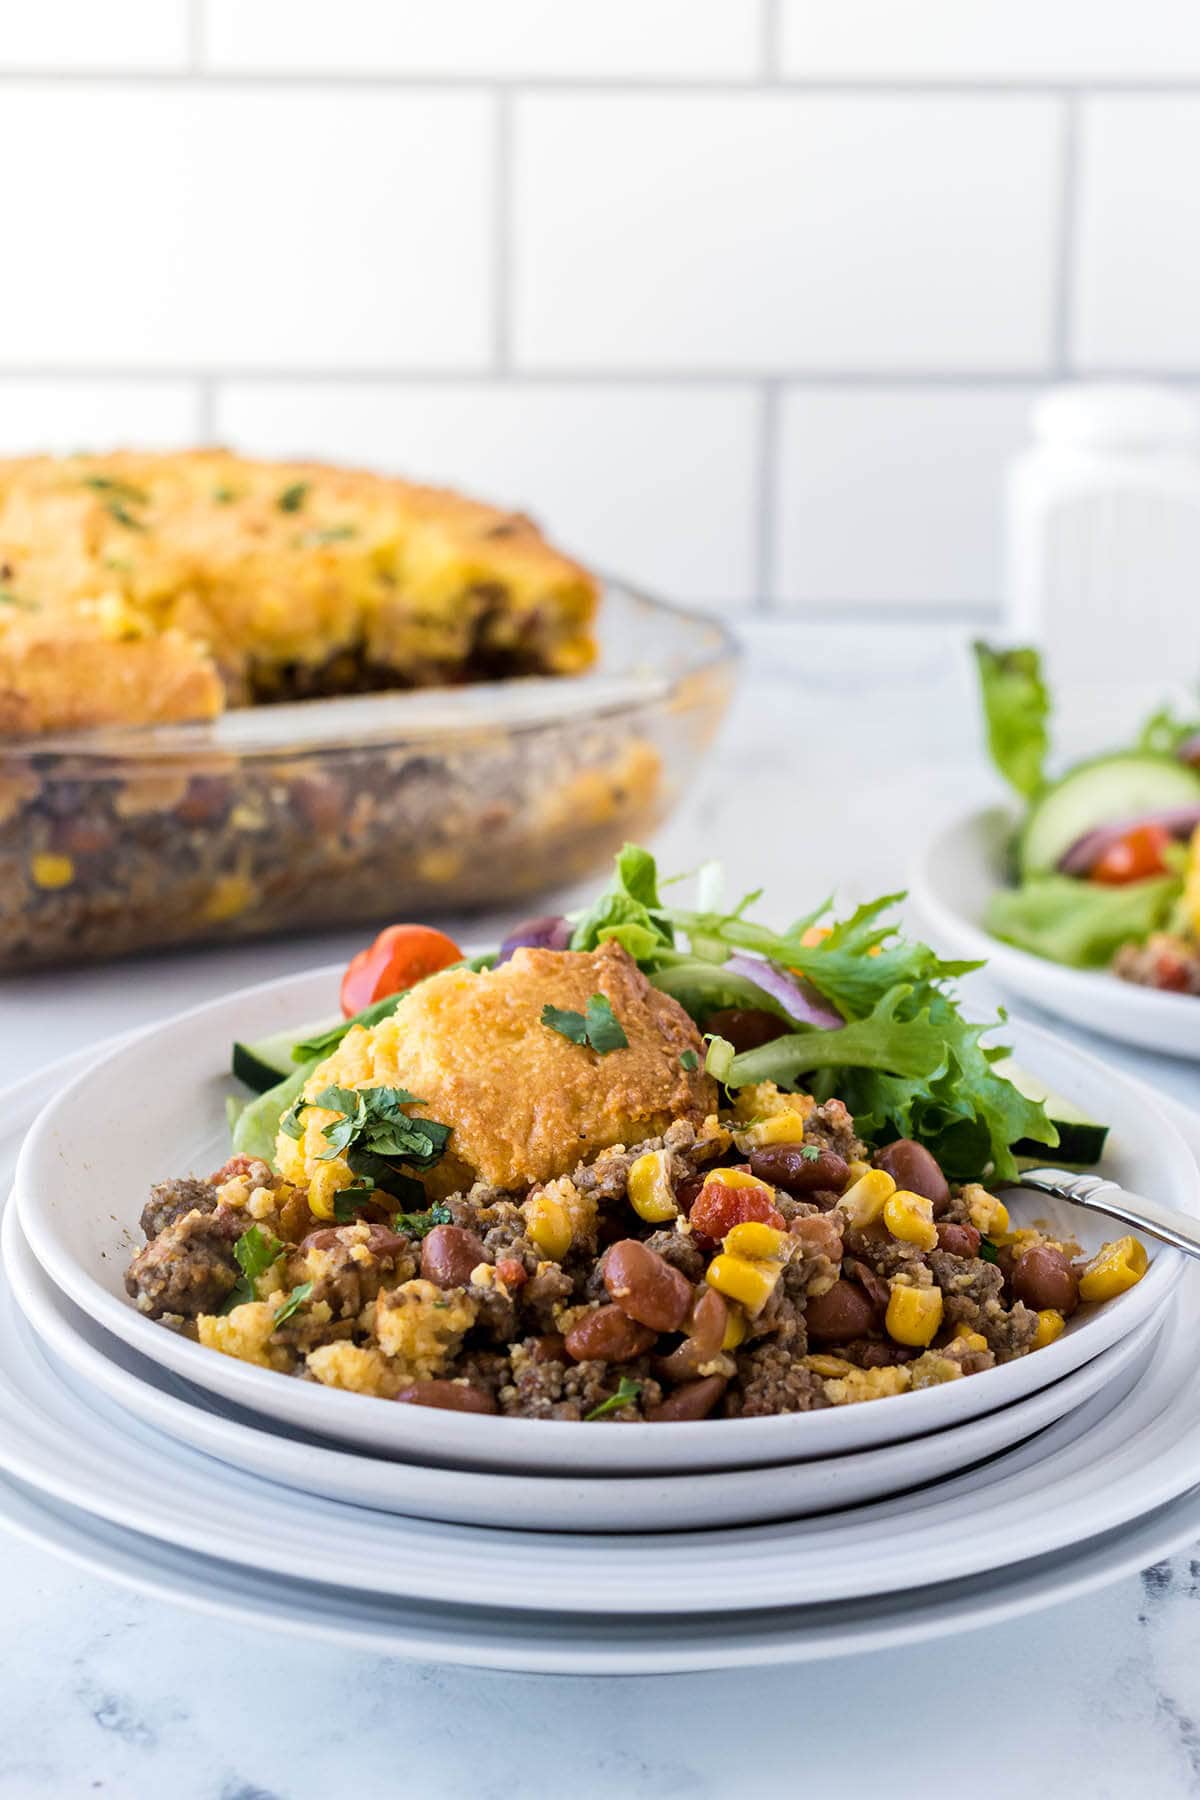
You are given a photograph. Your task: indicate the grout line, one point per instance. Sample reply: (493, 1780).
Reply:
(206, 411)
(1067, 228)
(771, 35)
(765, 482)
(928, 86)
(195, 36)
(502, 229)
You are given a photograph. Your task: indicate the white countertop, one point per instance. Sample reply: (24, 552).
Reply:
(843, 747)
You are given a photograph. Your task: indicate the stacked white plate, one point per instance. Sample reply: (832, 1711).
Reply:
(527, 1545)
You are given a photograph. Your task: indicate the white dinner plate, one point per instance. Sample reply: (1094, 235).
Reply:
(525, 1502)
(952, 882)
(557, 1644)
(1131, 1448)
(154, 1107)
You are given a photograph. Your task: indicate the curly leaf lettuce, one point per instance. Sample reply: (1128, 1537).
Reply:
(628, 910)
(1016, 708)
(1080, 923)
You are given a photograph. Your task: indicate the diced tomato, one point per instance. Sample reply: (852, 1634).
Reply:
(1133, 857)
(717, 1209)
(400, 956)
(512, 1273)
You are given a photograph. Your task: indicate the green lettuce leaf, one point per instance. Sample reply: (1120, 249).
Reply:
(1016, 708)
(628, 910)
(1164, 732)
(1081, 923)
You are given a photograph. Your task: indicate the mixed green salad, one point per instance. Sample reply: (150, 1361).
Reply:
(1105, 865)
(846, 1007)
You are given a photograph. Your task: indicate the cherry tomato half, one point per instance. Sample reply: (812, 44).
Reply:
(1132, 857)
(400, 956)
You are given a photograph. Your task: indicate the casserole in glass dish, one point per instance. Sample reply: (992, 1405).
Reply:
(346, 809)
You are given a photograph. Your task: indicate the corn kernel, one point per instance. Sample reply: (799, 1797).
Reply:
(913, 1315)
(548, 1223)
(856, 1168)
(829, 1366)
(974, 1340)
(649, 1187)
(228, 896)
(52, 871)
(321, 1205)
(751, 1284)
(909, 1217)
(1114, 1268)
(735, 1329)
(863, 1202)
(781, 1128)
(754, 1240)
(987, 1214)
(1050, 1325)
(737, 1178)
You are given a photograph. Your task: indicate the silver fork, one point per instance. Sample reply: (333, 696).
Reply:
(1099, 1195)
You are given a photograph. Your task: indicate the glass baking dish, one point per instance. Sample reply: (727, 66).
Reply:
(357, 808)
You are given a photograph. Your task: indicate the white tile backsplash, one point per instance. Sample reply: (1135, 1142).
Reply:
(64, 416)
(1137, 285)
(946, 40)
(505, 38)
(193, 227)
(889, 496)
(745, 298)
(709, 232)
(657, 484)
(93, 34)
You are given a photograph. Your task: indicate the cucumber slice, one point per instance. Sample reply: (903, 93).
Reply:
(264, 1063)
(257, 1126)
(1080, 1140)
(1102, 792)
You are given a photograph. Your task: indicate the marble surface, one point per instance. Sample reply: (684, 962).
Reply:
(844, 748)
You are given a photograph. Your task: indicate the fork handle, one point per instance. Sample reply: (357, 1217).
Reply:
(1099, 1195)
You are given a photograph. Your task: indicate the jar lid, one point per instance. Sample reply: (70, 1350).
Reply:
(1120, 416)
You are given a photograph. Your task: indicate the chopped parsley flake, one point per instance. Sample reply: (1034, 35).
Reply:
(121, 513)
(119, 490)
(599, 1026)
(627, 1390)
(254, 1253)
(294, 1302)
(689, 1059)
(420, 1224)
(293, 498)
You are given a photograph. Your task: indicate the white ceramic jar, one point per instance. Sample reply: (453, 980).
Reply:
(1103, 554)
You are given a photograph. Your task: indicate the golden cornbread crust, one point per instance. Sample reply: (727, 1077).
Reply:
(141, 588)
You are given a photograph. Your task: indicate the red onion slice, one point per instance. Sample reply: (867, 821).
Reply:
(549, 932)
(1086, 851)
(1189, 752)
(794, 995)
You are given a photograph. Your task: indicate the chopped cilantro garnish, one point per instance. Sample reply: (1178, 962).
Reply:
(374, 1125)
(294, 1301)
(987, 1251)
(627, 1390)
(420, 1224)
(254, 1253)
(811, 1152)
(348, 1202)
(121, 513)
(293, 498)
(120, 490)
(289, 1121)
(689, 1059)
(599, 1026)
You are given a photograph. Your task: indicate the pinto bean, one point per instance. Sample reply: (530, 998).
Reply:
(381, 1240)
(745, 1027)
(820, 1234)
(695, 1400)
(550, 1348)
(448, 1255)
(1043, 1278)
(705, 1327)
(873, 1285)
(607, 1335)
(450, 1396)
(646, 1286)
(912, 1167)
(843, 1313)
(786, 1166)
(959, 1240)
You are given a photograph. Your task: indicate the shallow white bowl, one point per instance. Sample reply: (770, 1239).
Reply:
(154, 1107)
(952, 882)
(101, 1363)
